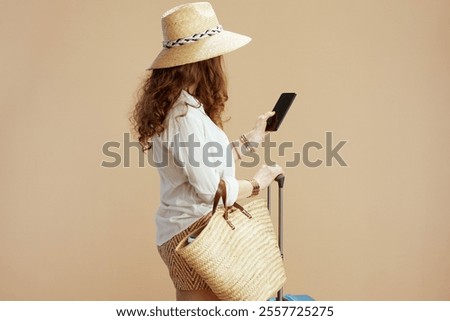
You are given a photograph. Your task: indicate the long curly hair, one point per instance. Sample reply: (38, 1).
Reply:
(163, 87)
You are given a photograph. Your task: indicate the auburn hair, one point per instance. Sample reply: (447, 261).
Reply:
(162, 88)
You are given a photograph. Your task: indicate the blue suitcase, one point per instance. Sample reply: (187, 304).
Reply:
(280, 297)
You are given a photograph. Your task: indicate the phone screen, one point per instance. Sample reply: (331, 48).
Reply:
(281, 108)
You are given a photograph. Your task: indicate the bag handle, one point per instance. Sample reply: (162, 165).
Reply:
(222, 193)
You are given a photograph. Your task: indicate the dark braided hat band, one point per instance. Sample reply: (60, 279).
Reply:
(182, 41)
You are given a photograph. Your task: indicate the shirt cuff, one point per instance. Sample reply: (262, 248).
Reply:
(232, 189)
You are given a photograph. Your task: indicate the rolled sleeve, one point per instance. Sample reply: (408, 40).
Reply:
(232, 189)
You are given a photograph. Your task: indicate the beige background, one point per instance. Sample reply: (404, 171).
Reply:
(375, 73)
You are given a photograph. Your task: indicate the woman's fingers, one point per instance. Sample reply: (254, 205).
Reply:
(259, 131)
(266, 115)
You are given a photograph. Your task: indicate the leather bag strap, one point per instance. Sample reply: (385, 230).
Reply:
(222, 193)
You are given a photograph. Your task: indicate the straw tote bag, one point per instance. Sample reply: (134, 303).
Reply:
(236, 251)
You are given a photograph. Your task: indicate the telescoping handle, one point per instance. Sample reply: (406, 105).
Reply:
(280, 180)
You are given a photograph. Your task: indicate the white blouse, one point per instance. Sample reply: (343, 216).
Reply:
(187, 191)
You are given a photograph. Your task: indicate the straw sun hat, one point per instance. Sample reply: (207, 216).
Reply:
(192, 33)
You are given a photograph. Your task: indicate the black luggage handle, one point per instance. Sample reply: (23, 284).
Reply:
(280, 180)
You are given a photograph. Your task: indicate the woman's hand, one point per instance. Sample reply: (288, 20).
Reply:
(266, 175)
(256, 135)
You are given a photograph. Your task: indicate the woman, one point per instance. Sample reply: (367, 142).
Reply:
(179, 110)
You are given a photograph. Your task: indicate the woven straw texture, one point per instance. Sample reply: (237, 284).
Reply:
(243, 264)
(183, 276)
(189, 20)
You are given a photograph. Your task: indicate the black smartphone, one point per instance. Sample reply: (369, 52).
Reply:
(281, 108)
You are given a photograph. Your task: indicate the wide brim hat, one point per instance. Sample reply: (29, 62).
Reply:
(192, 33)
